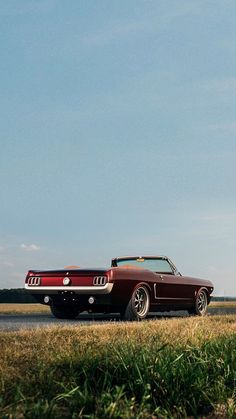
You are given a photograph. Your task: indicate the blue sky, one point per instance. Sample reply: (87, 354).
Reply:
(118, 135)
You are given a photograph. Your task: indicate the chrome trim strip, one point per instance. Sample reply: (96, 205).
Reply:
(104, 289)
(171, 298)
(155, 291)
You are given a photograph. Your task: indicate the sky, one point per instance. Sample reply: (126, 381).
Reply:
(118, 135)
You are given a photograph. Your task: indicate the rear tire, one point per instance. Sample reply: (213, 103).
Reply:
(200, 306)
(64, 312)
(138, 305)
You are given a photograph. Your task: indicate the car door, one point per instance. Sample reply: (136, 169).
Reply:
(170, 287)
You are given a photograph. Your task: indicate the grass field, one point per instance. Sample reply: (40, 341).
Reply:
(223, 304)
(181, 367)
(12, 308)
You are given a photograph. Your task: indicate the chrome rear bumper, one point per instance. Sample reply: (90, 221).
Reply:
(103, 289)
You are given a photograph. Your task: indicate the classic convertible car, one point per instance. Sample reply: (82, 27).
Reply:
(132, 286)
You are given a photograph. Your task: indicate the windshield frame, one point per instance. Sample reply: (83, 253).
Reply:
(174, 271)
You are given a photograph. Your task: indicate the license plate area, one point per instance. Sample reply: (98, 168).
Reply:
(68, 296)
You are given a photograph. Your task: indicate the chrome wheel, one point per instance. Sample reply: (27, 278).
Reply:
(138, 305)
(141, 301)
(201, 303)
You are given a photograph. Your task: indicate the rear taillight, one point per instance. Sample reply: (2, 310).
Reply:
(99, 280)
(34, 281)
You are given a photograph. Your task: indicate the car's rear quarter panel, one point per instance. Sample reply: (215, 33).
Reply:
(125, 280)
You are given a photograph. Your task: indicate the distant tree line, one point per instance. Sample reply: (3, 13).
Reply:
(16, 295)
(223, 298)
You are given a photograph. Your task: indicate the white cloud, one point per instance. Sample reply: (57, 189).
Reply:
(220, 217)
(151, 22)
(29, 247)
(220, 85)
(6, 264)
(27, 7)
(17, 275)
(229, 128)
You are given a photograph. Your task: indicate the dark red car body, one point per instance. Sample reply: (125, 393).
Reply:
(113, 289)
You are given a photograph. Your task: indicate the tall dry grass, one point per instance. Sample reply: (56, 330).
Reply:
(156, 368)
